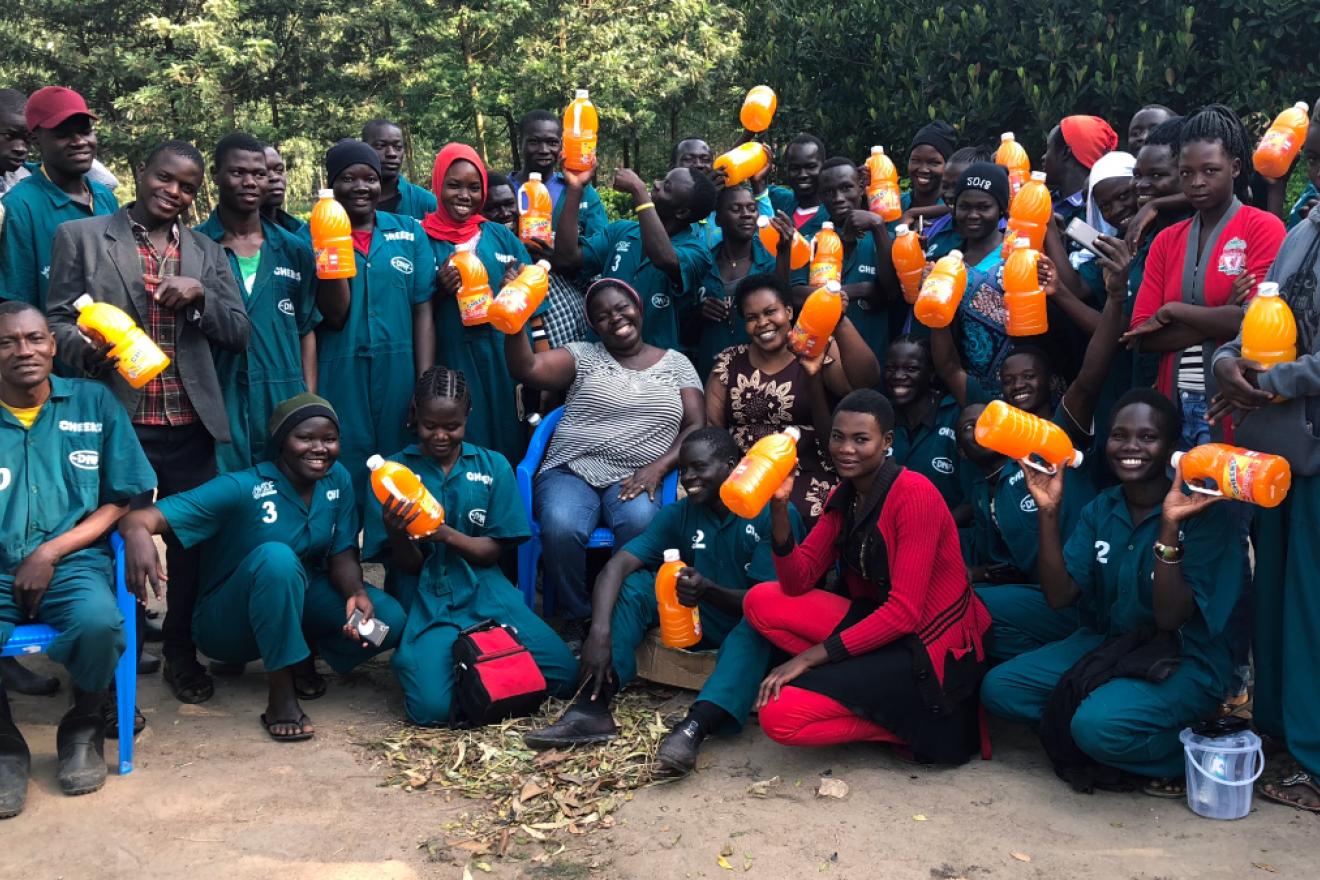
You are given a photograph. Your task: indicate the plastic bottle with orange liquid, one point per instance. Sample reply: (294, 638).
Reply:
(535, 212)
(1013, 157)
(909, 261)
(815, 324)
(1019, 434)
(1279, 147)
(800, 254)
(389, 479)
(474, 293)
(520, 298)
(1023, 297)
(332, 238)
(140, 358)
(1269, 330)
(826, 256)
(680, 626)
(761, 472)
(1029, 214)
(580, 125)
(942, 291)
(742, 163)
(1255, 477)
(882, 193)
(758, 108)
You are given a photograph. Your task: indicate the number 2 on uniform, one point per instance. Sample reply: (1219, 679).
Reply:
(268, 512)
(1102, 552)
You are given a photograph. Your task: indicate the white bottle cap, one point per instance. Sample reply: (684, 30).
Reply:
(534, 419)
(1022, 243)
(1007, 136)
(1175, 458)
(762, 221)
(325, 194)
(833, 286)
(955, 253)
(877, 151)
(794, 432)
(901, 229)
(580, 93)
(1077, 458)
(85, 300)
(543, 264)
(1303, 106)
(1265, 288)
(672, 556)
(1038, 176)
(374, 462)
(827, 225)
(535, 175)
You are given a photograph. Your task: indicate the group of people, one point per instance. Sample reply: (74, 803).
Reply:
(900, 582)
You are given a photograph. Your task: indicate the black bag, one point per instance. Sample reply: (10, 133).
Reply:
(495, 676)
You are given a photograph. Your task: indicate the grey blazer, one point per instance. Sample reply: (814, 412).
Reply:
(99, 256)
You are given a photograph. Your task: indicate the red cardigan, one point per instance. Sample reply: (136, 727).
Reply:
(929, 595)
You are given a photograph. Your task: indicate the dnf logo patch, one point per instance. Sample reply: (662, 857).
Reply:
(85, 459)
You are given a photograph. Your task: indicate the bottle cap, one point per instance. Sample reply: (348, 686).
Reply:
(1077, 458)
(1022, 242)
(901, 229)
(325, 194)
(877, 151)
(827, 225)
(1175, 458)
(1303, 106)
(955, 253)
(671, 555)
(83, 301)
(1265, 288)
(534, 419)
(1007, 136)
(1038, 176)
(762, 221)
(794, 432)
(580, 93)
(535, 175)
(833, 286)
(543, 264)
(375, 462)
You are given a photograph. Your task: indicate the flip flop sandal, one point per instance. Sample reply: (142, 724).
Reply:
(110, 714)
(189, 682)
(1169, 787)
(302, 723)
(1302, 778)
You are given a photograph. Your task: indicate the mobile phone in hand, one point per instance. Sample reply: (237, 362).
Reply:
(372, 631)
(1084, 234)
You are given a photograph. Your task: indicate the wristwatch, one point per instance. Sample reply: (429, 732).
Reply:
(1169, 555)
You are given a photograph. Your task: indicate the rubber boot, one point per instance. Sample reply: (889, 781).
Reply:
(15, 762)
(80, 744)
(21, 680)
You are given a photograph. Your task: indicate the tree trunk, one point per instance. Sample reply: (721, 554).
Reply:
(474, 91)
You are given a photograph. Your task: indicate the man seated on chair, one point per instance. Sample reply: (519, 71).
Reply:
(69, 462)
(724, 556)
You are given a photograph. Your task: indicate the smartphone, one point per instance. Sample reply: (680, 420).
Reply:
(1084, 234)
(372, 631)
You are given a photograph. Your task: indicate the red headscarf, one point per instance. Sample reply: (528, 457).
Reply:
(438, 224)
(1089, 138)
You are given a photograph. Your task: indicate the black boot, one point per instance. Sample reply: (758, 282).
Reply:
(80, 744)
(15, 761)
(21, 680)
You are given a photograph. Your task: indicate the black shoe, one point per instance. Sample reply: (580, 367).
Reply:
(188, 680)
(15, 762)
(21, 680)
(80, 745)
(576, 727)
(148, 665)
(677, 753)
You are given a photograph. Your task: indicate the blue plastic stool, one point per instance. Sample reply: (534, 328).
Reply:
(35, 638)
(529, 551)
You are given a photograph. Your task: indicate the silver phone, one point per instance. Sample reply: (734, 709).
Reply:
(1084, 234)
(372, 631)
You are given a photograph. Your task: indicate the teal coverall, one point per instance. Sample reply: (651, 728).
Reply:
(80, 453)
(784, 199)
(1132, 724)
(871, 318)
(717, 336)
(451, 594)
(366, 370)
(263, 562)
(616, 252)
(282, 309)
(732, 552)
(931, 449)
(33, 210)
(479, 351)
(414, 201)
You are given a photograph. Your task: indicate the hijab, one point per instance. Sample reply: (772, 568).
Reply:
(439, 224)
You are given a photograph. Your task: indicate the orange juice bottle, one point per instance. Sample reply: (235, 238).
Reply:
(761, 472)
(580, 124)
(1280, 145)
(820, 314)
(882, 193)
(909, 261)
(826, 256)
(140, 358)
(389, 479)
(474, 293)
(1023, 298)
(680, 626)
(742, 163)
(332, 238)
(798, 256)
(1240, 474)
(1014, 158)
(942, 291)
(520, 298)
(758, 108)
(1029, 214)
(535, 210)
(1269, 331)
(1019, 434)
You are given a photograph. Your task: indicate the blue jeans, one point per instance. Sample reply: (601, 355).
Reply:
(569, 509)
(1195, 430)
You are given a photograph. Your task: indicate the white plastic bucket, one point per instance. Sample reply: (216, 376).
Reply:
(1220, 772)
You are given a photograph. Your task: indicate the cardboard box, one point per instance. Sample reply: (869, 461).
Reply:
(673, 666)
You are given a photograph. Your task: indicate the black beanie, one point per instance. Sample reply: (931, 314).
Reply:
(346, 153)
(987, 177)
(292, 413)
(939, 134)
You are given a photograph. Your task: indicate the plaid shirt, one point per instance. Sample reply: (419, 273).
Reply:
(164, 401)
(565, 315)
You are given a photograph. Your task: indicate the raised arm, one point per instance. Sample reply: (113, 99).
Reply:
(948, 366)
(552, 370)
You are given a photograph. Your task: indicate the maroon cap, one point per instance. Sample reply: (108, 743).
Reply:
(50, 106)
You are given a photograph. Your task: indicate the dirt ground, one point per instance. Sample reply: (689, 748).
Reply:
(212, 797)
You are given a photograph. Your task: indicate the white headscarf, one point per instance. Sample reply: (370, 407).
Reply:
(1108, 166)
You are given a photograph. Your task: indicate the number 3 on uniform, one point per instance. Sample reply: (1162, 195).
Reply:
(268, 512)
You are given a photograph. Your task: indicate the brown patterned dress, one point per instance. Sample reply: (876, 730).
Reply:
(757, 404)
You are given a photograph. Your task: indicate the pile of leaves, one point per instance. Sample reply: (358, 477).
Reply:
(525, 795)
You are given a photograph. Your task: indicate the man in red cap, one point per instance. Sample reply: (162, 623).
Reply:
(62, 128)
(1074, 145)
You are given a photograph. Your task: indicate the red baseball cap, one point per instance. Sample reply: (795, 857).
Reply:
(48, 107)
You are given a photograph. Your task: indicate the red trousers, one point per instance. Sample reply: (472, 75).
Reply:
(800, 717)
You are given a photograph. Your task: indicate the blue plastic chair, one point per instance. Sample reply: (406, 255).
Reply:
(35, 638)
(529, 551)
